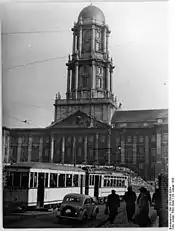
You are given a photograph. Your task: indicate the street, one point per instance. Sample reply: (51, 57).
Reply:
(50, 221)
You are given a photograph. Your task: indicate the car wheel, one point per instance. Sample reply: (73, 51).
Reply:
(60, 220)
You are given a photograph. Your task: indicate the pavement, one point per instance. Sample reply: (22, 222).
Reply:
(47, 219)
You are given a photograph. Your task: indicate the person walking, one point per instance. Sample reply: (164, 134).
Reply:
(130, 199)
(113, 203)
(142, 218)
(156, 200)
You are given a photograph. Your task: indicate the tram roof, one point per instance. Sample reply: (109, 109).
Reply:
(45, 166)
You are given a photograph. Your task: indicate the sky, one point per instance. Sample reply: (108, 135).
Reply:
(138, 44)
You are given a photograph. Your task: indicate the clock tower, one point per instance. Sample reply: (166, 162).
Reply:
(89, 69)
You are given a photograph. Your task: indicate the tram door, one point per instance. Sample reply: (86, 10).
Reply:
(40, 193)
(96, 186)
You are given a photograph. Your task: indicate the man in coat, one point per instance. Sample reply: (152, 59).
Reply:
(113, 203)
(130, 198)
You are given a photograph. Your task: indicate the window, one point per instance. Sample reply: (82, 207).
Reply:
(72, 199)
(68, 180)
(153, 138)
(33, 180)
(85, 81)
(141, 139)
(45, 180)
(141, 166)
(53, 180)
(10, 176)
(75, 180)
(129, 139)
(24, 179)
(87, 201)
(152, 164)
(100, 83)
(62, 180)
(17, 179)
(153, 151)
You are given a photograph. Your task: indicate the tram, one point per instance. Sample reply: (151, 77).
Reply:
(40, 184)
(45, 184)
(99, 183)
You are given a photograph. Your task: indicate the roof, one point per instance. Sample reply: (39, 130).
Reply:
(81, 196)
(92, 12)
(51, 166)
(139, 115)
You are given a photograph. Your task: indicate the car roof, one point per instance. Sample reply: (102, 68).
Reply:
(82, 196)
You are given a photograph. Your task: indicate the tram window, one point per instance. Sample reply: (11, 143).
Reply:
(112, 182)
(61, 180)
(117, 183)
(120, 183)
(24, 179)
(105, 182)
(100, 182)
(46, 180)
(75, 180)
(35, 179)
(68, 180)
(93, 179)
(17, 179)
(53, 180)
(10, 179)
(31, 179)
(123, 183)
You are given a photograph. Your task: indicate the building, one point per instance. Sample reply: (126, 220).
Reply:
(89, 127)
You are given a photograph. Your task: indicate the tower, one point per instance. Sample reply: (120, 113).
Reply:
(89, 69)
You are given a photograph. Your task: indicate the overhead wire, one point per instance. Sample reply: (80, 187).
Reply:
(35, 62)
(35, 32)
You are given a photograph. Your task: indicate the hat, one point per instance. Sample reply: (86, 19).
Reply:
(113, 191)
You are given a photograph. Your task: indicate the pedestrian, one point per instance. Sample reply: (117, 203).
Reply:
(142, 218)
(130, 199)
(156, 200)
(113, 203)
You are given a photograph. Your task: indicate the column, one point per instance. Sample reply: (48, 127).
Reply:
(8, 149)
(111, 71)
(122, 150)
(63, 149)
(146, 157)
(158, 152)
(80, 40)
(19, 149)
(93, 39)
(74, 150)
(158, 145)
(107, 79)
(96, 148)
(109, 147)
(73, 47)
(85, 149)
(29, 149)
(104, 40)
(52, 148)
(40, 149)
(107, 36)
(134, 148)
(93, 75)
(68, 80)
(76, 79)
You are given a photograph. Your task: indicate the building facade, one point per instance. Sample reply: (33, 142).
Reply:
(89, 128)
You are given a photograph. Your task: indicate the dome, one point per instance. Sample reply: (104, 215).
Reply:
(92, 12)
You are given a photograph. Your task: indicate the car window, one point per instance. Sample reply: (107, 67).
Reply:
(87, 201)
(72, 199)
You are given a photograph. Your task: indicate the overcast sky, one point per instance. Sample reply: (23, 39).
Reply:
(138, 44)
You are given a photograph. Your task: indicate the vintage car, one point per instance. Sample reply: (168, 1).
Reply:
(78, 207)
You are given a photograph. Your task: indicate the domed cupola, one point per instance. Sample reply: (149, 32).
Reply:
(92, 12)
